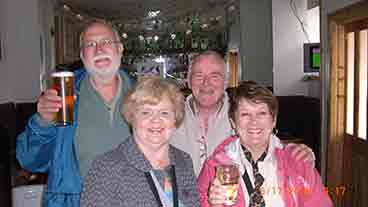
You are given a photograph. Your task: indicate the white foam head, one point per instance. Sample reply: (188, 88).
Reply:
(62, 74)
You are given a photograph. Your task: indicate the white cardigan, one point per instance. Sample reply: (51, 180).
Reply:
(187, 135)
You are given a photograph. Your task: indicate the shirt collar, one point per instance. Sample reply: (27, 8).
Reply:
(194, 107)
(236, 154)
(136, 157)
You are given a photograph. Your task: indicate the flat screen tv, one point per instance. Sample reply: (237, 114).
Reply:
(312, 57)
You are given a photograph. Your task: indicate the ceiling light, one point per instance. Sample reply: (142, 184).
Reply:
(231, 8)
(188, 32)
(153, 14)
(80, 17)
(140, 37)
(155, 37)
(66, 7)
(124, 35)
(173, 36)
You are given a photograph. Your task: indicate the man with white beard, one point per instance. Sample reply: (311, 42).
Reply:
(65, 153)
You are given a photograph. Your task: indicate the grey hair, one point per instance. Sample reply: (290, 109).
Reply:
(98, 21)
(209, 53)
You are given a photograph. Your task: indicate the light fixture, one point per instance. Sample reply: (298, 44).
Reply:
(124, 35)
(153, 14)
(231, 8)
(159, 59)
(155, 37)
(66, 7)
(80, 17)
(203, 26)
(173, 36)
(218, 18)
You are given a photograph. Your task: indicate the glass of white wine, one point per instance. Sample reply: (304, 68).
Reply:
(228, 175)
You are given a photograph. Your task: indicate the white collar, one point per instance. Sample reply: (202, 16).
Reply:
(236, 155)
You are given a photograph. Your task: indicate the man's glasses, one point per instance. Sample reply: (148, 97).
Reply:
(101, 43)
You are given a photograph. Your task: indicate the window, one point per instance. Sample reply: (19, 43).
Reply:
(356, 81)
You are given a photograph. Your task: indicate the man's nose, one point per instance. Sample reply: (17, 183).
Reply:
(99, 46)
(206, 80)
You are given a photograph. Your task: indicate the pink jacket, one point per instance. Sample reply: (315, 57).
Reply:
(299, 183)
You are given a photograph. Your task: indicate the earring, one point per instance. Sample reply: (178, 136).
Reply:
(275, 131)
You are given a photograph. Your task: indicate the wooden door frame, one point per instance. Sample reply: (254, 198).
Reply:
(337, 90)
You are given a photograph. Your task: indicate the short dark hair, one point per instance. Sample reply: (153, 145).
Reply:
(255, 93)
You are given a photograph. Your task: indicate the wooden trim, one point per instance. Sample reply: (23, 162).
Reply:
(349, 14)
(356, 81)
(359, 145)
(233, 64)
(335, 142)
(357, 25)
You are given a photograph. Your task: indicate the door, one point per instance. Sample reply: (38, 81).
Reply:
(233, 65)
(347, 162)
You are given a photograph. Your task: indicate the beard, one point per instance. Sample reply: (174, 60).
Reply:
(103, 75)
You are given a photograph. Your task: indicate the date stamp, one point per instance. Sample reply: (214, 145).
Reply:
(336, 192)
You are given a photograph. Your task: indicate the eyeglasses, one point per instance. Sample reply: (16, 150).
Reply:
(102, 43)
(215, 77)
(162, 114)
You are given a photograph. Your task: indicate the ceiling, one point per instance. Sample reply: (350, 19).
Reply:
(173, 14)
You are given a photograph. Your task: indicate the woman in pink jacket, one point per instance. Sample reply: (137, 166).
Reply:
(269, 175)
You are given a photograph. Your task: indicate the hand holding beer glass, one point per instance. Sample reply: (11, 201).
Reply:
(55, 104)
(224, 189)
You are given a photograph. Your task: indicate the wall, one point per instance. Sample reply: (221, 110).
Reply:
(21, 63)
(256, 41)
(46, 19)
(4, 77)
(21, 49)
(288, 40)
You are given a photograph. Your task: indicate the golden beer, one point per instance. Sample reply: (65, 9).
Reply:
(228, 175)
(63, 83)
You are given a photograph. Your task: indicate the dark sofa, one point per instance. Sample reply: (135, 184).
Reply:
(13, 118)
(300, 117)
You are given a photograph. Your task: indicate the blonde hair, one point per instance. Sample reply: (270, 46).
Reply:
(151, 90)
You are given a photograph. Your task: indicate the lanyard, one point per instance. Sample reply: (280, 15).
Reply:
(154, 188)
(245, 176)
(247, 182)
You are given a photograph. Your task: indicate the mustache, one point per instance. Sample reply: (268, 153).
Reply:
(101, 56)
(209, 91)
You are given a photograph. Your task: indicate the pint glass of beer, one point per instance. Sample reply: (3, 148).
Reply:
(63, 83)
(228, 175)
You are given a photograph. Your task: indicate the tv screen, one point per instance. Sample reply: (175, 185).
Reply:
(316, 57)
(312, 57)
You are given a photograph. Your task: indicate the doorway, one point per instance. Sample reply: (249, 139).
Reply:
(347, 162)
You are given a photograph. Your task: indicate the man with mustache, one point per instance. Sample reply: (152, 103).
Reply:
(65, 153)
(206, 123)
